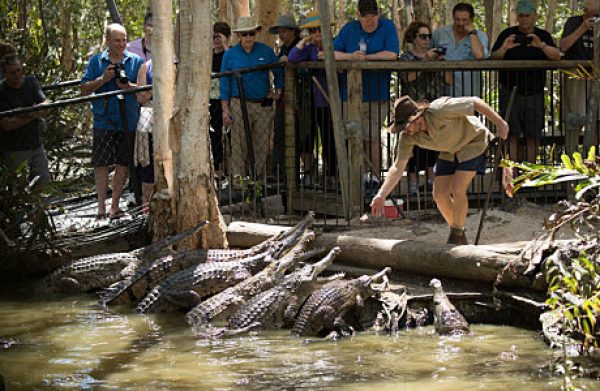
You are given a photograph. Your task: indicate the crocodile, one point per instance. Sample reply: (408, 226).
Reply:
(447, 320)
(135, 287)
(85, 274)
(227, 302)
(188, 287)
(100, 271)
(325, 308)
(278, 306)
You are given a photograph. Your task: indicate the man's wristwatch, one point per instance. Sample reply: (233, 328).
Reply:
(472, 32)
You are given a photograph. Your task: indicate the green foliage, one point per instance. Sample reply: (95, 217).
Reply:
(25, 222)
(573, 269)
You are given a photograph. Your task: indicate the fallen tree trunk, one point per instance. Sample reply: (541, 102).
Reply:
(477, 263)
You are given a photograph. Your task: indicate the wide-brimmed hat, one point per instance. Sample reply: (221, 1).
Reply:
(246, 23)
(404, 108)
(285, 21)
(313, 19)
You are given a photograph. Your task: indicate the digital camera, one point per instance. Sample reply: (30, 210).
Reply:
(120, 73)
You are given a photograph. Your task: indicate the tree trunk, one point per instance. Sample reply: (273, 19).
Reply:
(22, 18)
(406, 15)
(185, 191)
(67, 59)
(113, 11)
(550, 16)
(423, 10)
(512, 13)
(448, 12)
(478, 263)
(493, 19)
(341, 21)
(265, 14)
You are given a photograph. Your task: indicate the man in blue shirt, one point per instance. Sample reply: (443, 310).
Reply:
(462, 42)
(370, 38)
(259, 99)
(110, 144)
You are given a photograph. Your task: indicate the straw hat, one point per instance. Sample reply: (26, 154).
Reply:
(246, 23)
(404, 108)
(285, 21)
(313, 19)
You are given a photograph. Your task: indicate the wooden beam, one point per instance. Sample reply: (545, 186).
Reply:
(476, 263)
(336, 105)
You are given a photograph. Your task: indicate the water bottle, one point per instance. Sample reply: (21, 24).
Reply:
(362, 45)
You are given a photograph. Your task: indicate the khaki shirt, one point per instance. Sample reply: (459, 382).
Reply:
(453, 130)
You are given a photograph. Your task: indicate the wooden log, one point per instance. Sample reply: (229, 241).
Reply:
(476, 263)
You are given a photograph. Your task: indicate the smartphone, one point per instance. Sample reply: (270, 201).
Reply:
(523, 40)
(441, 50)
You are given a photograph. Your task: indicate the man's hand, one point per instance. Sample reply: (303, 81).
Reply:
(378, 206)
(503, 129)
(510, 42)
(587, 24)
(359, 56)
(536, 42)
(224, 40)
(108, 74)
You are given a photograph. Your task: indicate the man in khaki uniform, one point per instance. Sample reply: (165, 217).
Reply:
(447, 125)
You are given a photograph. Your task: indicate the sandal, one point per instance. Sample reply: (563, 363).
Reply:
(100, 216)
(119, 215)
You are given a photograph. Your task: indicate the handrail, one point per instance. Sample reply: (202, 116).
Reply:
(214, 75)
(66, 102)
(61, 84)
(446, 65)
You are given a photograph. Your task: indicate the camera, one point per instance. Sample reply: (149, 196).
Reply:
(120, 73)
(523, 40)
(440, 51)
(595, 19)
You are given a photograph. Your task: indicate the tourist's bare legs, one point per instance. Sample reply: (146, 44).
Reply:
(118, 183)
(101, 179)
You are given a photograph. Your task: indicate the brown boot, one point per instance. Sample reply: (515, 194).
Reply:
(457, 237)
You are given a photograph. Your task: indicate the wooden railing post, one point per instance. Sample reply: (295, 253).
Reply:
(289, 102)
(590, 135)
(355, 139)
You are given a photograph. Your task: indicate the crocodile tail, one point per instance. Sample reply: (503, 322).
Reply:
(260, 308)
(206, 311)
(152, 299)
(312, 304)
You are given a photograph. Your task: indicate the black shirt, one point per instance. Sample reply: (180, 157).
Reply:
(527, 81)
(27, 137)
(583, 48)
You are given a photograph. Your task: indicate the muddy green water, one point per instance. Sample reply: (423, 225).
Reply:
(71, 343)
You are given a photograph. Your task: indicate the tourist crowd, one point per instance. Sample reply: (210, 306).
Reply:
(247, 136)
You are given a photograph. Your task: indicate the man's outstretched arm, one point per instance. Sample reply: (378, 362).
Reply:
(391, 180)
(485, 109)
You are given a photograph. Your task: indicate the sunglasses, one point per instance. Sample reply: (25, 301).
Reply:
(248, 34)
(424, 36)
(314, 30)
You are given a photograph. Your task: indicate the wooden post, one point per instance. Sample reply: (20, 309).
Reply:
(590, 135)
(336, 105)
(289, 104)
(355, 138)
